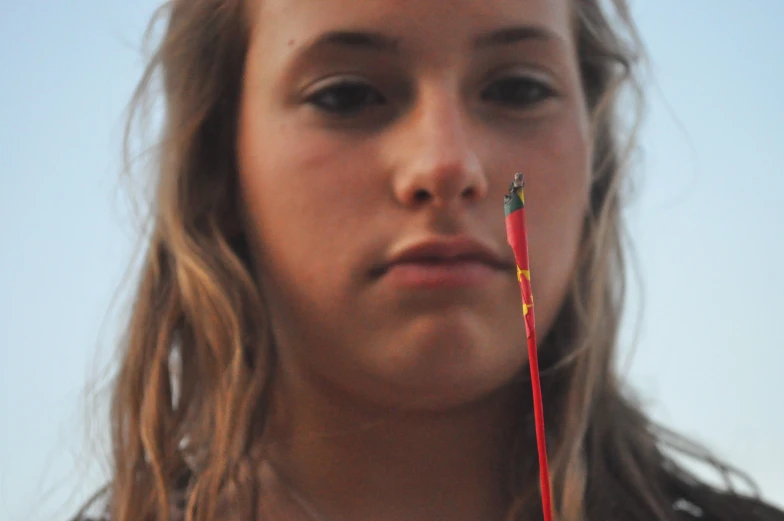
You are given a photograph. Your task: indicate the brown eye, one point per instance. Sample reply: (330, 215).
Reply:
(346, 98)
(518, 92)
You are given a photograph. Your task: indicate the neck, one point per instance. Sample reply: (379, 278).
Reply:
(351, 462)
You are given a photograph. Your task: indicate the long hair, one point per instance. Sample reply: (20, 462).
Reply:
(191, 397)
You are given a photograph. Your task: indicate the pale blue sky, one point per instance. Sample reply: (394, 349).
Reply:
(707, 224)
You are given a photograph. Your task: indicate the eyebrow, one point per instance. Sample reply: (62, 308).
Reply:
(514, 34)
(366, 40)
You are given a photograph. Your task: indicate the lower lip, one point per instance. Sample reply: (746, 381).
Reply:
(459, 274)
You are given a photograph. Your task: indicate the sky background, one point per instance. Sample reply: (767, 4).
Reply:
(707, 224)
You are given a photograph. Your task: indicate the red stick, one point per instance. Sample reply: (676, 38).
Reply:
(544, 471)
(517, 236)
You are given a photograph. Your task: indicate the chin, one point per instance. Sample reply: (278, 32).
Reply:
(441, 367)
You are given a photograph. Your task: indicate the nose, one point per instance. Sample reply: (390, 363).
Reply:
(437, 161)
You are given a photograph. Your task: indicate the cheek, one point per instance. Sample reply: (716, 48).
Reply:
(305, 200)
(557, 199)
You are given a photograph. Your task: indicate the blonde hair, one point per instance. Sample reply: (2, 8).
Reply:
(191, 397)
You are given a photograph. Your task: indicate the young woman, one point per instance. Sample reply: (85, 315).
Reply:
(327, 324)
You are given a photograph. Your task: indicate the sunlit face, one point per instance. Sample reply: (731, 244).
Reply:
(376, 142)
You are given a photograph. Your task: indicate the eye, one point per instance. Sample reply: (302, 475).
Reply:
(518, 92)
(346, 98)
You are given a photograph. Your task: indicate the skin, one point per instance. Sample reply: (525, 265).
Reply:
(428, 151)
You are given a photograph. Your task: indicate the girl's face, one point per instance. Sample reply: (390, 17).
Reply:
(376, 142)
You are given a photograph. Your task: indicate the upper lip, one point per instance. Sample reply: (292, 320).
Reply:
(448, 249)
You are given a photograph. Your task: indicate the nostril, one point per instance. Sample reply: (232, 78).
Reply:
(421, 196)
(469, 193)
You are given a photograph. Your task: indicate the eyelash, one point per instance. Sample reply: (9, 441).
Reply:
(535, 91)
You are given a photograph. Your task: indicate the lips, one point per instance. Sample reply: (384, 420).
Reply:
(455, 261)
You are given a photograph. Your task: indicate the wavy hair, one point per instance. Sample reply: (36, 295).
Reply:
(191, 396)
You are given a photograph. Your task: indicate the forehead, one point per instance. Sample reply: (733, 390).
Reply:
(417, 24)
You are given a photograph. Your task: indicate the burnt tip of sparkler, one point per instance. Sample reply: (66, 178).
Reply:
(514, 187)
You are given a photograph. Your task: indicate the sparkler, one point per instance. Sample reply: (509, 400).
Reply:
(517, 236)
